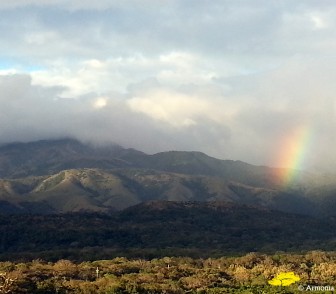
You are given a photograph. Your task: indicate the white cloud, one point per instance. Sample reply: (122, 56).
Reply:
(103, 75)
(73, 4)
(318, 22)
(100, 102)
(181, 109)
(159, 75)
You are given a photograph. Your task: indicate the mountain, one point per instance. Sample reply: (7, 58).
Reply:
(67, 175)
(48, 157)
(106, 190)
(19, 160)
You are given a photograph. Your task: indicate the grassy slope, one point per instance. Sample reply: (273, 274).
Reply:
(101, 190)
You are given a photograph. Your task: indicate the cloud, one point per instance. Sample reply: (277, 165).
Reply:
(299, 94)
(174, 108)
(72, 4)
(31, 112)
(244, 117)
(100, 102)
(230, 78)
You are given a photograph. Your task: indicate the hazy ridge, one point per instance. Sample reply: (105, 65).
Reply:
(67, 176)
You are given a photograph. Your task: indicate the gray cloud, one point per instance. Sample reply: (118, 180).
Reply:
(234, 79)
(33, 112)
(220, 28)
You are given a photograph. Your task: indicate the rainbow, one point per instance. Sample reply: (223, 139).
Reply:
(293, 150)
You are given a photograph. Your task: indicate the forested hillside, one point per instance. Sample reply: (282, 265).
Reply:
(162, 229)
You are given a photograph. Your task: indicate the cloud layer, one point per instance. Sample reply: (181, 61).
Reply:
(233, 79)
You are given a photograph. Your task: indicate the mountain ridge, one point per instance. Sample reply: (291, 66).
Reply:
(51, 156)
(66, 175)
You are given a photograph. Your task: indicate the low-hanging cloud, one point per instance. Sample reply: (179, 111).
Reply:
(225, 123)
(30, 112)
(230, 78)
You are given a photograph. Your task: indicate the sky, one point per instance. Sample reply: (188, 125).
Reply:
(239, 79)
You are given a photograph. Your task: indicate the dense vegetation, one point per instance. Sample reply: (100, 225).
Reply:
(157, 229)
(246, 274)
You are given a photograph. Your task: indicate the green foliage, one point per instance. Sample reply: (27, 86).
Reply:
(184, 275)
(157, 229)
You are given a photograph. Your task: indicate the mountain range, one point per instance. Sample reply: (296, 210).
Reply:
(57, 176)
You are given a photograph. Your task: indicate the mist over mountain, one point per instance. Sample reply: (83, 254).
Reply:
(66, 175)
